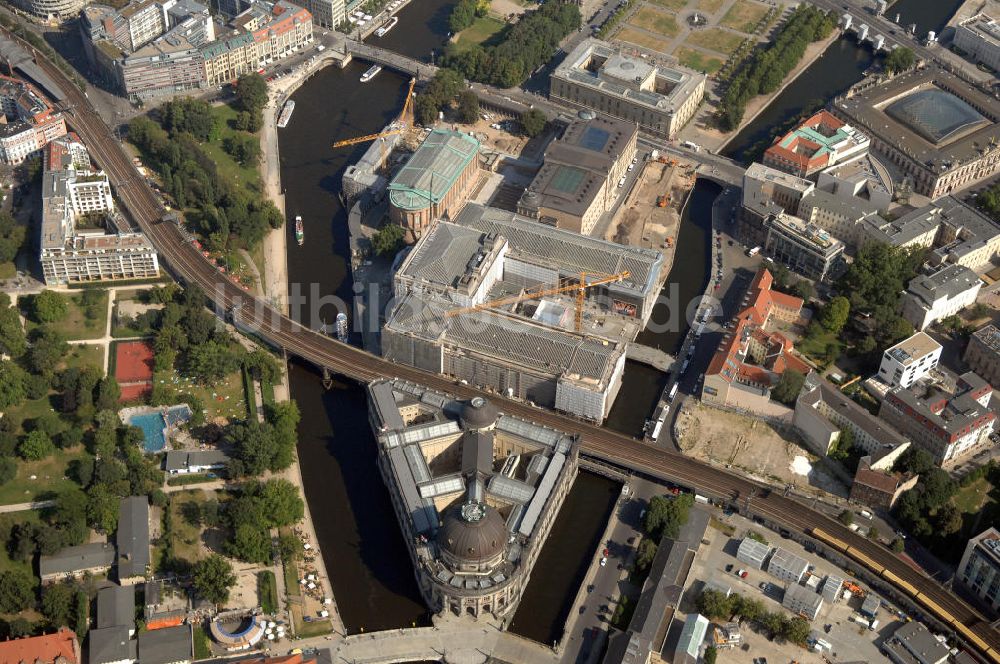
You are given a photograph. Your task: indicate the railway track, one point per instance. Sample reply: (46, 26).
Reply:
(190, 267)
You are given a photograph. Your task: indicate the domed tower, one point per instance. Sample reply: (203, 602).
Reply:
(478, 414)
(472, 538)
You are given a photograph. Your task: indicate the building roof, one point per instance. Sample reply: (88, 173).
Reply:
(785, 560)
(184, 459)
(984, 27)
(110, 644)
(472, 532)
(818, 389)
(692, 635)
(567, 252)
(816, 142)
(133, 537)
(77, 558)
(431, 171)
(61, 646)
(801, 595)
(917, 641)
(950, 414)
(751, 548)
(451, 256)
(989, 336)
(116, 607)
(884, 482)
(166, 645)
(913, 348)
(947, 283)
(988, 543)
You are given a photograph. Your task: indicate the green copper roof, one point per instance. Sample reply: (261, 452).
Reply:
(432, 169)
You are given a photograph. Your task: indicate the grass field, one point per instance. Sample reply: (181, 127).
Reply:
(202, 649)
(480, 32)
(81, 355)
(267, 591)
(8, 270)
(698, 61)
(49, 473)
(972, 498)
(744, 16)
(185, 536)
(643, 39)
(715, 39)
(673, 5)
(709, 6)
(76, 325)
(223, 399)
(247, 176)
(655, 21)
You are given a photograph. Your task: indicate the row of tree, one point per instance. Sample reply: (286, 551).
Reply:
(525, 47)
(664, 517)
(444, 90)
(766, 69)
(778, 625)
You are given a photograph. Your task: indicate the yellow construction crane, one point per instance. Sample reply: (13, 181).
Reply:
(399, 126)
(579, 287)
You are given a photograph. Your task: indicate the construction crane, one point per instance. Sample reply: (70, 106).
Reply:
(397, 127)
(579, 287)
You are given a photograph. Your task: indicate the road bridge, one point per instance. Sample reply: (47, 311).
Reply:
(421, 70)
(191, 268)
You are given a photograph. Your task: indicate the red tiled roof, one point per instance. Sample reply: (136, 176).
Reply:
(46, 648)
(874, 479)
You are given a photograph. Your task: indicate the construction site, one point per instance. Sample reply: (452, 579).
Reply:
(650, 216)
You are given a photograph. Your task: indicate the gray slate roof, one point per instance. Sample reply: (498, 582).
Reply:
(110, 644)
(167, 645)
(133, 537)
(116, 607)
(77, 558)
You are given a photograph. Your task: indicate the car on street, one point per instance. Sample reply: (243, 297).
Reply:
(729, 568)
(604, 561)
(742, 573)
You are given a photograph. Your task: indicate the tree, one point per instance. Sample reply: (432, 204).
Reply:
(788, 387)
(289, 547)
(213, 577)
(250, 122)
(8, 470)
(645, 554)
(12, 384)
(47, 351)
(102, 508)
(468, 106)
(12, 236)
(948, 520)
(533, 122)
(873, 533)
(796, 630)
(12, 339)
(846, 517)
(108, 393)
(835, 313)
(280, 503)
(714, 605)
(914, 460)
(254, 446)
(803, 289)
(898, 545)
(665, 516)
(49, 307)
(211, 361)
(899, 59)
(388, 240)
(57, 604)
(711, 655)
(250, 543)
(251, 92)
(244, 148)
(35, 446)
(17, 591)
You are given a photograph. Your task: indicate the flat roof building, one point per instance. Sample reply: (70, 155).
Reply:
(932, 297)
(435, 182)
(831, 587)
(950, 426)
(577, 183)
(182, 462)
(753, 552)
(804, 247)
(979, 569)
(912, 643)
(817, 143)
(934, 126)
(983, 353)
(661, 99)
(802, 601)
(909, 360)
(979, 37)
(692, 636)
(787, 566)
(475, 492)
(763, 184)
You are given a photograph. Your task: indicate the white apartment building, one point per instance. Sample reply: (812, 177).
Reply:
(932, 297)
(979, 37)
(909, 360)
(762, 184)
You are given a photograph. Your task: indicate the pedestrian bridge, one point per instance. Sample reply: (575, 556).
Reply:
(421, 70)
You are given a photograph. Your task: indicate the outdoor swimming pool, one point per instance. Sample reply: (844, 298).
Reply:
(154, 426)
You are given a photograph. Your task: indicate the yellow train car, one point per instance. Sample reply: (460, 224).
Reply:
(865, 560)
(827, 538)
(905, 586)
(971, 636)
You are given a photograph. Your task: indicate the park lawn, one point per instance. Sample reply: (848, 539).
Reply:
(816, 347)
(715, 39)
(971, 499)
(643, 39)
(698, 61)
(221, 400)
(709, 6)
(481, 31)
(32, 408)
(49, 473)
(7, 522)
(267, 591)
(744, 16)
(673, 5)
(8, 270)
(82, 355)
(76, 326)
(247, 176)
(655, 21)
(186, 538)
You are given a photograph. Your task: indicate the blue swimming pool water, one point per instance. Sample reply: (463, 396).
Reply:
(152, 425)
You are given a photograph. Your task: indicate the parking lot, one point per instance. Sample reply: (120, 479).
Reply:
(851, 642)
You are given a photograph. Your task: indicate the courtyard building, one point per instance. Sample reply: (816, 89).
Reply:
(979, 37)
(818, 143)
(944, 292)
(577, 183)
(596, 75)
(475, 491)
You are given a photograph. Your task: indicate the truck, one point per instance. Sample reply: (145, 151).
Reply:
(753, 251)
(691, 146)
(673, 392)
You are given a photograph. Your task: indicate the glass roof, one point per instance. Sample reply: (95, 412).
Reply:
(934, 114)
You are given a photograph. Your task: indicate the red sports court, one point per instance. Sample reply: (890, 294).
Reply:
(134, 369)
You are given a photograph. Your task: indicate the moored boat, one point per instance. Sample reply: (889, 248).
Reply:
(300, 235)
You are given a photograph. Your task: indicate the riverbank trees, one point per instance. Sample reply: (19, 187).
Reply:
(764, 72)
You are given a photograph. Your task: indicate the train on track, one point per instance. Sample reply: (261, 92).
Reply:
(970, 637)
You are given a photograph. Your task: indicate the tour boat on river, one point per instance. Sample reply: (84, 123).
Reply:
(371, 73)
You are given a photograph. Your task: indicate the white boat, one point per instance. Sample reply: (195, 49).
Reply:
(300, 235)
(389, 25)
(371, 73)
(341, 327)
(286, 113)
